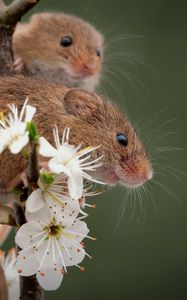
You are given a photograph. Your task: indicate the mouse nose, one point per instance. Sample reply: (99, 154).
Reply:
(147, 175)
(87, 69)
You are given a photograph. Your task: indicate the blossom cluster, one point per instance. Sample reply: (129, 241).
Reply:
(52, 238)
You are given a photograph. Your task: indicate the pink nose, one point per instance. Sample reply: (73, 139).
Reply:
(87, 69)
(148, 175)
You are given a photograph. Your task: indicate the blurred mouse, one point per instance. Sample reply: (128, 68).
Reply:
(60, 48)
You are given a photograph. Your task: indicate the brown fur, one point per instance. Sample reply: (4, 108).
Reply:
(93, 121)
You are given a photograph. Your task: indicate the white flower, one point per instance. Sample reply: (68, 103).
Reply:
(13, 130)
(71, 161)
(49, 247)
(11, 275)
(57, 199)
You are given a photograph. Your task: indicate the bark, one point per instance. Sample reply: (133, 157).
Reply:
(9, 16)
(6, 56)
(33, 172)
(30, 288)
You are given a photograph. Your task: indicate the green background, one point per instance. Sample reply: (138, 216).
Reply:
(145, 257)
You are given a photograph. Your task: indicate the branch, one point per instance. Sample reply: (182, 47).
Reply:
(30, 289)
(11, 14)
(33, 169)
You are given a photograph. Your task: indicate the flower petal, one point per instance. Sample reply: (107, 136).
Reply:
(67, 212)
(50, 273)
(42, 216)
(26, 264)
(46, 149)
(76, 254)
(29, 113)
(35, 201)
(76, 228)
(57, 167)
(49, 278)
(21, 142)
(25, 233)
(13, 290)
(75, 186)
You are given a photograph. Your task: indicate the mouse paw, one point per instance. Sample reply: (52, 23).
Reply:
(18, 65)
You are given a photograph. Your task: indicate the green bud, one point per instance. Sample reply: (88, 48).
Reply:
(46, 178)
(16, 191)
(31, 127)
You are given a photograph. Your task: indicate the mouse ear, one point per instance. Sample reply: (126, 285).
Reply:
(79, 102)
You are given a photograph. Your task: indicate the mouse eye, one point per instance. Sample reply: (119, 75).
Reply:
(66, 41)
(98, 52)
(122, 139)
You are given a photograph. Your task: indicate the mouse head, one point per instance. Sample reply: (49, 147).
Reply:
(96, 121)
(67, 47)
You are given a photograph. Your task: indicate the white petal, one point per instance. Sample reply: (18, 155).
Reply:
(57, 167)
(78, 227)
(67, 213)
(21, 142)
(44, 215)
(22, 110)
(75, 186)
(30, 111)
(50, 274)
(13, 291)
(35, 201)
(49, 279)
(74, 247)
(18, 128)
(24, 234)
(46, 149)
(26, 264)
(76, 254)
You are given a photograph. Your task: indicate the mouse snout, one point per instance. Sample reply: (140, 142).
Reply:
(87, 68)
(146, 175)
(136, 174)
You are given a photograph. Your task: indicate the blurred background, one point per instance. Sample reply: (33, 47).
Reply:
(141, 251)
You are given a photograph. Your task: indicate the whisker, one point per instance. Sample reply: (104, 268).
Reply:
(133, 206)
(122, 210)
(167, 190)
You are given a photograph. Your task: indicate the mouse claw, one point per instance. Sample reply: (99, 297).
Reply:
(18, 65)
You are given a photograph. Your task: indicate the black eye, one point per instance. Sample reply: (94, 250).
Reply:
(122, 139)
(98, 52)
(66, 41)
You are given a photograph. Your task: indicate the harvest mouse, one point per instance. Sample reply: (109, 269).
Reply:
(93, 121)
(60, 48)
